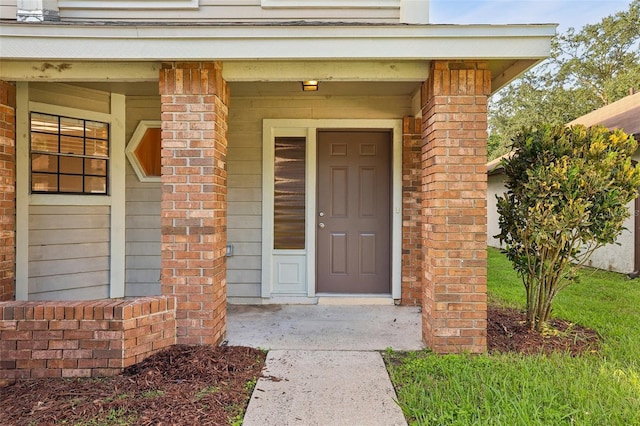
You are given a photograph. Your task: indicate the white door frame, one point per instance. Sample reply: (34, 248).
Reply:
(272, 128)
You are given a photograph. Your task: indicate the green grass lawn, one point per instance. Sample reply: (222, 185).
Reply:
(510, 389)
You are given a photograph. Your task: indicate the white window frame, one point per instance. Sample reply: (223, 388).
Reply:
(128, 4)
(133, 144)
(324, 4)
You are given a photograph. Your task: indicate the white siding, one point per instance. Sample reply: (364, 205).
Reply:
(618, 257)
(142, 270)
(495, 186)
(235, 11)
(245, 169)
(68, 252)
(8, 9)
(68, 242)
(67, 95)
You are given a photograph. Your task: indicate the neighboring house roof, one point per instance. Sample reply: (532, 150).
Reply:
(494, 166)
(623, 114)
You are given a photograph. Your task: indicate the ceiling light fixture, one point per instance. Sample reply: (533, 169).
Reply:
(310, 86)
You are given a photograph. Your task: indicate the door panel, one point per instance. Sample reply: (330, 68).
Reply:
(353, 217)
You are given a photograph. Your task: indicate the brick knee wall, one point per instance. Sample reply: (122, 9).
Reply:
(82, 338)
(411, 212)
(7, 190)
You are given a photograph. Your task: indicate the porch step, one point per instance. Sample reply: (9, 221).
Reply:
(355, 300)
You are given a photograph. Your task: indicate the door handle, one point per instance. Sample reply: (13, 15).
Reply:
(321, 225)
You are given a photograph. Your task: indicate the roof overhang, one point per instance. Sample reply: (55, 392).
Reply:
(510, 49)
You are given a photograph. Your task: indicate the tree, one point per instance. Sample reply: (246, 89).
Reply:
(587, 69)
(567, 191)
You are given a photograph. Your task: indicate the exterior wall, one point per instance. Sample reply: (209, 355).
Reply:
(70, 96)
(232, 10)
(68, 243)
(142, 212)
(82, 339)
(7, 190)
(8, 9)
(412, 212)
(454, 185)
(495, 187)
(68, 252)
(245, 169)
(617, 257)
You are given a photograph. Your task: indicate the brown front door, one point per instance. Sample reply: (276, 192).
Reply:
(353, 212)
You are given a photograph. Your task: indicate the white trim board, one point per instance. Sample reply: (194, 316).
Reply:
(308, 128)
(141, 42)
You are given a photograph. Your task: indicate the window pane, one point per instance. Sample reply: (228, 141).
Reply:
(71, 165)
(44, 142)
(97, 148)
(68, 155)
(44, 123)
(72, 127)
(71, 145)
(70, 183)
(97, 130)
(95, 185)
(95, 167)
(44, 183)
(289, 195)
(44, 163)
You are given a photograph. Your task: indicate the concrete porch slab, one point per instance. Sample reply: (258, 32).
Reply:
(325, 327)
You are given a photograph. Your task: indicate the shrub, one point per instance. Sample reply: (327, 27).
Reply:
(567, 191)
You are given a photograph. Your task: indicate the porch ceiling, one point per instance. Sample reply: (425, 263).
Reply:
(255, 78)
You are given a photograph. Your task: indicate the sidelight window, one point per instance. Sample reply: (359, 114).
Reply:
(289, 193)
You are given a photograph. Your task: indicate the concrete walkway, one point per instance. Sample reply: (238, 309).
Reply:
(323, 367)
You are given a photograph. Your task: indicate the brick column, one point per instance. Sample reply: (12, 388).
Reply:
(411, 211)
(7, 190)
(454, 185)
(194, 101)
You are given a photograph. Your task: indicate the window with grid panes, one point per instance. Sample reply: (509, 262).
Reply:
(68, 155)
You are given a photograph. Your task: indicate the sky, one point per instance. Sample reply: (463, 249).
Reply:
(567, 13)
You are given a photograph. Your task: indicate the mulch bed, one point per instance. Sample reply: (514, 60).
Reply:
(182, 385)
(201, 385)
(507, 332)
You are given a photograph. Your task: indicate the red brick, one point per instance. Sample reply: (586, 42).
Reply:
(92, 363)
(450, 235)
(63, 344)
(33, 344)
(45, 372)
(77, 372)
(78, 353)
(46, 354)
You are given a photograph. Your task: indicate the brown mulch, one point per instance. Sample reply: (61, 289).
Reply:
(202, 385)
(507, 332)
(182, 385)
